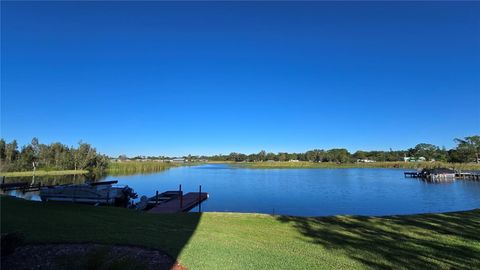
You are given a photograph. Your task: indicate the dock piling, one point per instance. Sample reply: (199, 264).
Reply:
(181, 196)
(190, 200)
(200, 199)
(156, 198)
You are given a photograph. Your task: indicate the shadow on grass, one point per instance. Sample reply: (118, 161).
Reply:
(51, 223)
(412, 242)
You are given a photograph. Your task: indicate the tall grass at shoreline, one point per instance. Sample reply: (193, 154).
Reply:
(114, 168)
(332, 165)
(137, 167)
(42, 173)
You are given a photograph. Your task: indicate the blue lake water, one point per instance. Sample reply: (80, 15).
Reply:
(310, 192)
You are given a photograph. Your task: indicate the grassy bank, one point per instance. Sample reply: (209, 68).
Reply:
(332, 165)
(134, 167)
(220, 162)
(42, 173)
(138, 167)
(251, 241)
(114, 168)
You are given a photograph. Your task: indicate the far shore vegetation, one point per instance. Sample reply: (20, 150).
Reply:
(42, 173)
(58, 159)
(467, 150)
(255, 241)
(333, 165)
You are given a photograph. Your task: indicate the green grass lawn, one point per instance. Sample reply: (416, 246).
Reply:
(42, 173)
(253, 241)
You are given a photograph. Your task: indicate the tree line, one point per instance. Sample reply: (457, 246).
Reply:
(57, 156)
(466, 150)
(54, 156)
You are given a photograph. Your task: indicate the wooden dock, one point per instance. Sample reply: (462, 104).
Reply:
(11, 186)
(474, 175)
(468, 175)
(411, 174)
(180, 204)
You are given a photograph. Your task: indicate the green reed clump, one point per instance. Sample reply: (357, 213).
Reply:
(135, 167)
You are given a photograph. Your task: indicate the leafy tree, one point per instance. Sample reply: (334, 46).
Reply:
(53, 156)
(314, 155)
(238, 157)
(292, 156)
(456, 156)
(338, 155)
(26, 158)
(428, 151)
(270, 156)
(469, 148)
(282, 156)
(360, 155)
(262, 155)
(36, 147)
(2, 150)
(441, 154)
(11, 151)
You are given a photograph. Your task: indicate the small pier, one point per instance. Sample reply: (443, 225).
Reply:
(21, 186)
(180, 204)
(475, 176)
(412, 174)
(11, 186)
(443, 175)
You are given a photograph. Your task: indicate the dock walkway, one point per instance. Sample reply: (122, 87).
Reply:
(190, 200)
(473, 175)
(468, 175)
(411, 174)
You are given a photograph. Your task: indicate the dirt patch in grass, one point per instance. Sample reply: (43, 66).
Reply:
(87, 256)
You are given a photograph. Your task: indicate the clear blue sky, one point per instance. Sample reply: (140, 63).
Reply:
(158, 78)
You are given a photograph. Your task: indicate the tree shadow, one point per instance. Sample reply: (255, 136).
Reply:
(57, 223)
(412, 242)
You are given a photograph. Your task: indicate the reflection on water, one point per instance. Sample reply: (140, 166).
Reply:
(310, 192)
(303, 192)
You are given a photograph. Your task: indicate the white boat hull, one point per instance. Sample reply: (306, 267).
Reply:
(87, 193)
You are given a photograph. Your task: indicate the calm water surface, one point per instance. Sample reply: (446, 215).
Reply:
(309, 192)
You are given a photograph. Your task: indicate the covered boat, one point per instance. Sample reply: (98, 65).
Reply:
(437, 174)
(104, 193)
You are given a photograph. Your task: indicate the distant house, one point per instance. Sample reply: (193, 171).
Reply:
(365, 160)
(438, 174)
(414, 159)
(294, 160)
(178, 160)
